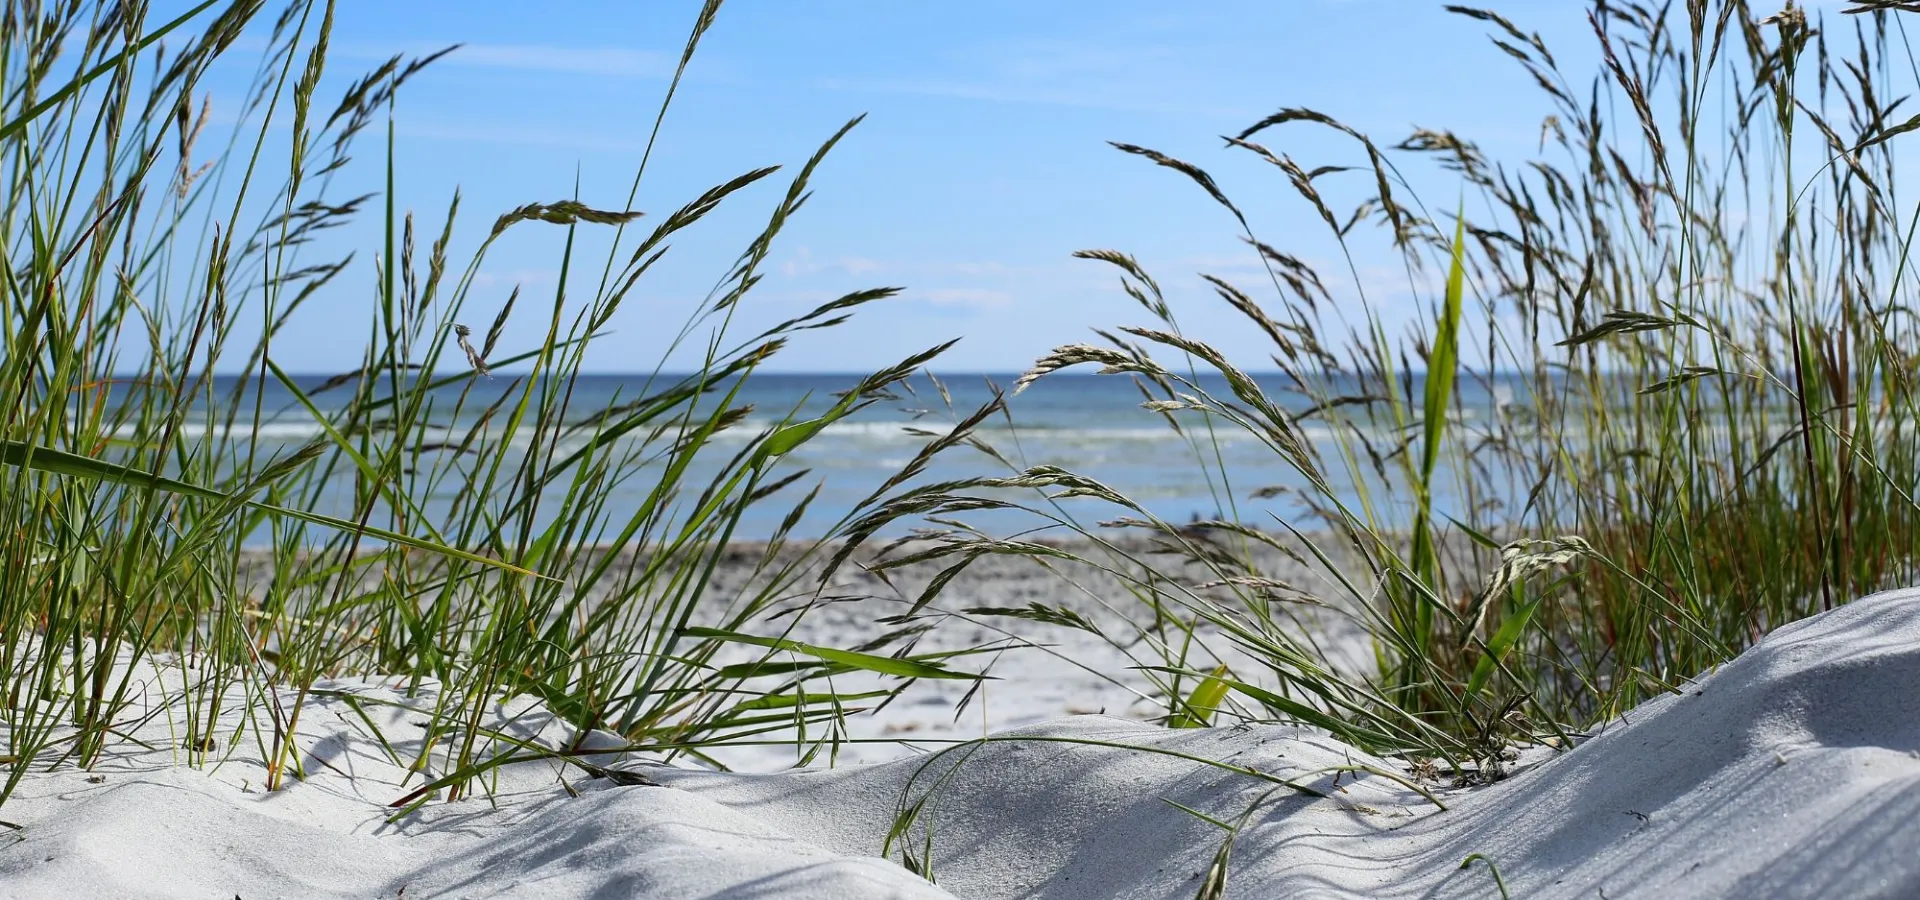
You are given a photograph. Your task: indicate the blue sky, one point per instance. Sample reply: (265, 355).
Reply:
(982, 164)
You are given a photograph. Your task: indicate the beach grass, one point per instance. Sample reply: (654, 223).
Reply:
(472, 562)
(1691, 313)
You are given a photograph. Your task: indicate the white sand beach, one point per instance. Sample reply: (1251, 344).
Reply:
(1793, 771)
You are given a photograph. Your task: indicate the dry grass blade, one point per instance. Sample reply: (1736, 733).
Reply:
(1188, 169)
(564, 212)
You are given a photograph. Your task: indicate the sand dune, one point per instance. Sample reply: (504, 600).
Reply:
(1790, 772)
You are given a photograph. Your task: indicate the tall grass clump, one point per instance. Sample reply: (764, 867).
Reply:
(447, 521)
(1657, 396)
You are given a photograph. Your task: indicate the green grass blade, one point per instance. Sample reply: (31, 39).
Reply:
(21, 454)
(1442, 365)
(1499, 646)
(1204, 700)
(885, 665)
(13, 128)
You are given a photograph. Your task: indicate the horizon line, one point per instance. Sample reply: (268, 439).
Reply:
(823, 373)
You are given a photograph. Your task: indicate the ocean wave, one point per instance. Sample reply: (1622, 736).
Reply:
(872, 436)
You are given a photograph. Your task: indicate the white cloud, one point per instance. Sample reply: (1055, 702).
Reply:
(1223, 265)
(1022, 93)
(973, 268)
(522, 134)
(1137, 64)
(804, 263)
(617, 62)
(977, 298)
(612, 62)
(858, 265)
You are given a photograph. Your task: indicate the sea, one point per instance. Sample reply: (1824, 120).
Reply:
(1095, 426)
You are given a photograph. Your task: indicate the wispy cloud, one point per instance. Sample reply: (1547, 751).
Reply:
(610, 62)
(1221, 264)
(1127, 65)
(976, 298)
(619, 62)
(519, 134)
(956, 287)
(523, 135)
(805, 263)
(972, 268)
(607, 62)
(1053, 272)
(1022, 93)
